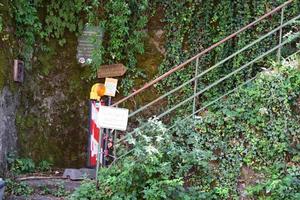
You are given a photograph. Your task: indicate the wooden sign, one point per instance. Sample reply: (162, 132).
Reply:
(114, 70)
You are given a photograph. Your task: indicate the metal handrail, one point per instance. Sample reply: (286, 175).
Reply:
(202, 108)
(214, 66)
(208, 87)
(199, 110)
(203, 52)
(197, 76)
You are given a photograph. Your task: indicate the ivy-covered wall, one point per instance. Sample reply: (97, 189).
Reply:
(149, 37)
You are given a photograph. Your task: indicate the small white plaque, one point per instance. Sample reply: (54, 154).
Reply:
(110, 86)
(112, 118)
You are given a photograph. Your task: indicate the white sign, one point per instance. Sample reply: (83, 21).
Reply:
(112, 118)
(110, 86)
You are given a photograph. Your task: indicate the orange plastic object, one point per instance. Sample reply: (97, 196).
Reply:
(97, 91)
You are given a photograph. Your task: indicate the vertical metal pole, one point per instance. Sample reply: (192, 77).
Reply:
(115, 146)
(99, 156)
(106, 138)
(89, 136)
(195, 85)
(280, 35)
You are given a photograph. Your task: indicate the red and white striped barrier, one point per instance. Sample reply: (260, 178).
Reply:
(94, 134)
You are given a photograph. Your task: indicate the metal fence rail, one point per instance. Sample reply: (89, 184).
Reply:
(213, 67)
(207, 88)
(200, 74)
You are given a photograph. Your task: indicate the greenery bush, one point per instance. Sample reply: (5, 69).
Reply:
(18, 189)
(1, 24)
(26, 165)
(155, 170)
(123, 23)
(44, 166)
(257, 127)
(22, 166)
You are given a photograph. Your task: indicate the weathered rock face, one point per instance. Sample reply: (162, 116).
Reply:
(8, 133)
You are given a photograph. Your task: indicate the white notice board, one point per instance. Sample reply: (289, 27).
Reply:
(112, 118)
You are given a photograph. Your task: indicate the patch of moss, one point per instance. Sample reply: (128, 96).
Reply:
(2, 70)
(149, 63)
(8, 48)
(52, 118)
(45, 58)
(53, 115)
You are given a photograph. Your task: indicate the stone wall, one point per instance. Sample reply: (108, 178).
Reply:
(8, 133)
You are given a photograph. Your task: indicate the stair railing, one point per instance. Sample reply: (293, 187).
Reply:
(198, 75)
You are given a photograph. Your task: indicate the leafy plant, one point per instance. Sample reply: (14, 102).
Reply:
(44, 190)
(192, 26)
(18, 189)
(1, 24)
(44, 166)
(60, 191)
(63, 16)
(22, 165)
(256, 127)
(156, 170)
(277, 187)
(123, 23)
(28, 27)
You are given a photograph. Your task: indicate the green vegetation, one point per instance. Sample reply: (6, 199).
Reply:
(28, 26)
(123, 23)
(22, 165)
(22, 189)
(63, 16)
(256, 128)
(26, 165)
(1, 24)
(192, 26)
(44, 166)
(18, 189)
(60, 191)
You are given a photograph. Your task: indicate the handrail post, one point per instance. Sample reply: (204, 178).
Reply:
(115, 146)
(280, 35)
(195, 84)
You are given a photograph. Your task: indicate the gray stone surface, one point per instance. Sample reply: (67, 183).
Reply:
(8, 132)
(35, 197)
(2, 188)
(53, 187)
(79, 174)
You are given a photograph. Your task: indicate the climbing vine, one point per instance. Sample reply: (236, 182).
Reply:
(40, 20)
(28, 26)
(123, 23)
(192, 26)
(63, 16)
